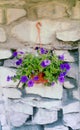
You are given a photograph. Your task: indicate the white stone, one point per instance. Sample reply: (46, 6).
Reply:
(69, 35)
(5, 54)
(55, 127)
(46, 91)
(3, 119)
(21, 107)
(76, 11)
(18, 14)
(67, 56)
(46, 104)
(4, 71)
(6, 127)
(11, 93)
(71, 107)
(68, 85)
(2, 109)
(2, 35)
(27, 31)
(10, 63)
(76, 94)
(1, 15)
(73, 72)
(72, 120)
(17, 119)
(44, 116)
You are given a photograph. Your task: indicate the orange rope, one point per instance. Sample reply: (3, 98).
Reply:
(38, 25)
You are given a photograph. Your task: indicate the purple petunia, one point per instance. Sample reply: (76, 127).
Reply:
(45, 63)
(61, 79)
(53, 83)
(36, 78)
(30, 83)
(21, 52)
(64, 66)
(24, 79)
(15, 53)
(9, 78)
(61, 57)
(67, 66)
(19, 62)
(63, 73)
(36, 48)
(43, 51)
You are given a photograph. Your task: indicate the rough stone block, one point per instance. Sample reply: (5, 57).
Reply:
(44, 116)
(55, 91)
(28, 127)
(1, 15)
(51, 10)
(73, 72)
(55, 127)
(11, 93)
(76, 11)
(2, 35)
(76, 94)
(5, 54)
(21, 107)
(3, 119)
(3, 77)
(17, 119)
(69, 35)
(70, 83)
(18, 14)
(72, 120)
(71, 107)
(6, 127)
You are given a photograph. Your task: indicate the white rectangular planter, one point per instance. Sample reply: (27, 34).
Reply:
(46, 91)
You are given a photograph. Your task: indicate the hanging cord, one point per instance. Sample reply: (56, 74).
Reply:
(38, 25)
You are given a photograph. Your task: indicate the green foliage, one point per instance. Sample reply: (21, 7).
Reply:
(31, 65)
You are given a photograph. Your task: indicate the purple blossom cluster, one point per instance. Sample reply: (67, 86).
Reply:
(45, 63)
(15, 54)
(41, 50)
(30, 82)
(61, 57)
(65, 67)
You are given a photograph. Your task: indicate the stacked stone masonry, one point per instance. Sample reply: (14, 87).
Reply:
(59, 109)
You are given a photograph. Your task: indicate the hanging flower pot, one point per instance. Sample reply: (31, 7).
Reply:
(39, 78)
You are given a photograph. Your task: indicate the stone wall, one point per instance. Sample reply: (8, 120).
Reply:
(58, 109)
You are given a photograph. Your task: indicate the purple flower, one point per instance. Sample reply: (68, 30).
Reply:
(63, 73)
(36, 78)
(36, 48)
(30, 83)
(45, 63)
(61, 57)
(43, 51)
(52, 84)
(24, 79)
(67, 66)
(62, 67)
(21, 52)
(61, 79)
(19, 62)
(15, 53)
(9, 78)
